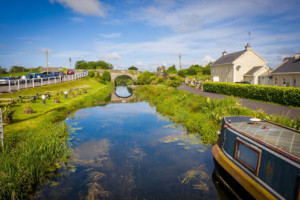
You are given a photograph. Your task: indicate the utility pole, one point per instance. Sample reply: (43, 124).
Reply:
(47, 60)
(180, 60)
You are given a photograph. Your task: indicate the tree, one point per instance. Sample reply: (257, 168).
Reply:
(183, 73)
(106, 76)
(81, 64)
(2, 70)
(172, 70)
(14, 69)
(133, 68)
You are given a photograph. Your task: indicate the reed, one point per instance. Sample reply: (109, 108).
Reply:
(199, 114)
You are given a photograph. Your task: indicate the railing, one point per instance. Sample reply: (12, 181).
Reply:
(15, 85)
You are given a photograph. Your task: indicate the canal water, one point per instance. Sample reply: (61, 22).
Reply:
(129, 151)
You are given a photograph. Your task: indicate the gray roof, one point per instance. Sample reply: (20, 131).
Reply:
(253, 70)
(290, 66)
(228, 58)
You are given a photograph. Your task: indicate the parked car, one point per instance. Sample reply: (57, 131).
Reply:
(34, 75)
(70, 72)
(5, 80)
(244, 82)
(60, 74)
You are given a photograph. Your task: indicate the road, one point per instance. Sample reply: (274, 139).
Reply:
(268, 108)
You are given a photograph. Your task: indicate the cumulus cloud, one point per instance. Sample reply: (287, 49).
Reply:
(110, 56)
(111, 35)
(86, 7)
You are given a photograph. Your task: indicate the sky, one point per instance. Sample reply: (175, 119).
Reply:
(145, 33)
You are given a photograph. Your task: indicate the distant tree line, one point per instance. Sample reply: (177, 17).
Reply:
(82, 64)
(16, 69)
(193, 70)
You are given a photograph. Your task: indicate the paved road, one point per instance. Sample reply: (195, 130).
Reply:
(254, 105)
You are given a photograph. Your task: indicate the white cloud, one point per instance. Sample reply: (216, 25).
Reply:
(76, 19)
(111, 35)
(87, 7)
(43, 50)
(110, 56)
(72, 54)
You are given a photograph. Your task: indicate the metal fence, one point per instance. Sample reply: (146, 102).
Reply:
(15, 85)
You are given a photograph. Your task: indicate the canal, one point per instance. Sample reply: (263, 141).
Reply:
(129, 151)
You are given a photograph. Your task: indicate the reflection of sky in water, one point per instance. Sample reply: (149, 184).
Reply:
(126, 151)
(122, 91)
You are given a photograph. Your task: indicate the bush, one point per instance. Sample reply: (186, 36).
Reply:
(159, 80)
(281, 95)
(91, 74)
(182, 73)
(27, 108)
(174, 81)
(106, 76)
(145, 78)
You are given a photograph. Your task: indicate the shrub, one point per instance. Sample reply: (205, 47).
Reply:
(174, 81)
(27, 108)
(106, 76)
(56, 99)
(145, 78)
(159, 80)
(281, 95)
(7, 114)
(91, 74)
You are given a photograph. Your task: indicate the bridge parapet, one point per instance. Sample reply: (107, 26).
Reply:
(115, 73)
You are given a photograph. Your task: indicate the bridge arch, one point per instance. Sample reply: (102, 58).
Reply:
(116, 73)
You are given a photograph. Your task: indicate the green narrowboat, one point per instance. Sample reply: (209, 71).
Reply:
(258, 159)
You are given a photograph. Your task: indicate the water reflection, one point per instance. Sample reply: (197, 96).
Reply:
(128, 151)
(123, 91)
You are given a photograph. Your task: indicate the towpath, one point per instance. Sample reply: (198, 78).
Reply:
(268, 108)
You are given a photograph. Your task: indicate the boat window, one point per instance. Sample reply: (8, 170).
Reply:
(247, 155)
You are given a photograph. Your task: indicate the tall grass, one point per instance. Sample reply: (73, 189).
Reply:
(201, 114)
(36, 145)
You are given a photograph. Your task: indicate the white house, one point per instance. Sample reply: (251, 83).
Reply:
(287, 73)
(245, 65)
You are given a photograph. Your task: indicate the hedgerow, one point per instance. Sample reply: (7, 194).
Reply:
(289, 96)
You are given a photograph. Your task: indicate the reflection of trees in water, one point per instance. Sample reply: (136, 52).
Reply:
(123, 80)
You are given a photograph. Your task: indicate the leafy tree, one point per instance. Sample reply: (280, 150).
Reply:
(2, 70)
(14, 69)
(133, 68)
(183, 72)
(81, 64)
(106, 76)
(172, 70)
(206, 69)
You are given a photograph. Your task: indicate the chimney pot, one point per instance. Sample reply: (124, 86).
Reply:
(247, 47)
(297, 55)
(224, 53)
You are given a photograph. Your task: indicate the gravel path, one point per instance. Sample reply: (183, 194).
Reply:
(254, 105)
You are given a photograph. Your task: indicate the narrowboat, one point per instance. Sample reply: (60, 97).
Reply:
(258, 159)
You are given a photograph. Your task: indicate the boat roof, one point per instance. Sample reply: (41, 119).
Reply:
(280, 137)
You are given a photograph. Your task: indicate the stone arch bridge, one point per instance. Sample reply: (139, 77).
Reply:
(116, 73)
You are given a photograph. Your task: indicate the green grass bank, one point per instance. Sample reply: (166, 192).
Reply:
(200, 114)
(37, 144)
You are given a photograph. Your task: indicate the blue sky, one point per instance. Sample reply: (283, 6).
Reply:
(145, 33)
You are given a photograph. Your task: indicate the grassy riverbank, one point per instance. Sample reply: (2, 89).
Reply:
(36, 144)
(200, 114)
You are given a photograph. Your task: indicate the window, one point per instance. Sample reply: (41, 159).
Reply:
(294, 82)
(283, 82)
(247, 155)
(275, 81)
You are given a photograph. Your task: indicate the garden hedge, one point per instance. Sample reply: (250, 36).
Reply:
(289, 96)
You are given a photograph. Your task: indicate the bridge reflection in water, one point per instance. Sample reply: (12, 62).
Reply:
(122, 94)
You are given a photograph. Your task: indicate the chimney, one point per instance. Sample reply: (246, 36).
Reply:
(247, 47)
(224, 53)
(297, 56)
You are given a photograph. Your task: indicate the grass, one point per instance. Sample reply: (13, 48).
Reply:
(200, 114)
(37, 144)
